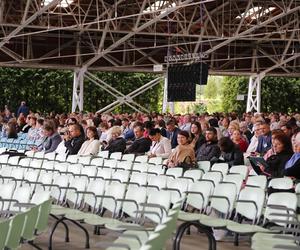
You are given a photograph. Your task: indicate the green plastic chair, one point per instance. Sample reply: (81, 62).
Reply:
(43, 217)
(15, 231)
(4, 227)
(28, 232)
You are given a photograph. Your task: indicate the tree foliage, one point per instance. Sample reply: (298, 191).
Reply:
(51, 90)
(279, 94)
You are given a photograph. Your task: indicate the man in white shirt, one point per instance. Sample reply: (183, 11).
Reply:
(161, 146)
(186, 125)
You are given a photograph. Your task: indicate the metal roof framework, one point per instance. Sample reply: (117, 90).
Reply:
(237, 37)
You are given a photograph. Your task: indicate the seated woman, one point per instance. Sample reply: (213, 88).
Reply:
(197, 137)
(275, 164)
(239, 140)
(161, 146)
(117, 143)
(184, 152)
(92, 144)
(230, 152)
(292, 167)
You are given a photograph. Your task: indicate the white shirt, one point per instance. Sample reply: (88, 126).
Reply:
(161, 148)
(89, 147)
(253, 144)
(186, 127)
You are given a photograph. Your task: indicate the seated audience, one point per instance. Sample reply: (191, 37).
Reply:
(117, 142)
(74, 139)
(161, 146)
(276, 163)
(172, 132)
(292, 167)
(197, 137)
(239, 140)
(210, 148)
(140, 145)
(264, 140)
(92, 144)
(230, 152)
(254, 140)
(184, 152)
(52, 138)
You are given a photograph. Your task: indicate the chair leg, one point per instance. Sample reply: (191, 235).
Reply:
(236, 239)
(67, 238)
(52, 232)
(31, 243)
(87, 237)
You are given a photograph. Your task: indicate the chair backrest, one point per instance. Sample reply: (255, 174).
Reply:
(193, 174)
(103, 154)
(284, 200)
(25, 162)
(61, 181)
(39, 155)
(121, 175)
(221, 167)
(4, 228)
(75, 168)
(159, 182)
(175, 172)
(156, 170)
(4, 158)
(72, 158)
(13, 160)
(110, 163)
(250, 203)
(139, 178)
(281, 183)
(224, 197)
(50, 156)
(215, 177)
(61, 157)
(199, 193)
(89, 171)
(97, 162)
(85, 160)
(161, 198)
(141, 158)
(140, 167)
(137, 194)
(105, 173)
(61, 166)
(257, 181)
(49, 165)
(15, 230)
(239, 169)
(178, 188)
(80, 184)
(43, 218)
(116, 155)
(40, 197)
(117, 191)
(6, 192)
(126, 165)
(22, 195)
(128, 157)
(31, 217)
(156, 160)
(237, 179)
(97, 187)
(204, 165)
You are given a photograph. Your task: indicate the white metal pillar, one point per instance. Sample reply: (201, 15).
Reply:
(77, 97)
(167, 104)
(254, 93)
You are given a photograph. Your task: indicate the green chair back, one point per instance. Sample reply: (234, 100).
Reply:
(4, 227)
(15, 230)
(42, 221)
(30, 223)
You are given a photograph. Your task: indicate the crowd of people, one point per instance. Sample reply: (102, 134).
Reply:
(177, 138)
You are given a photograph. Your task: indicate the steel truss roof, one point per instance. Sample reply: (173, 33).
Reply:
(121, 35)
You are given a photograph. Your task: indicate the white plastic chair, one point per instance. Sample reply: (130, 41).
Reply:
(39, 155)
(110, 163)
(116, 155)
(140, 167)
(237, 179)
(128, 157)
(221, 167)
(141, 158)
(85, 160)
(94, 188)
(97, 162)
(214, 177)
(14, 160)
(155, 170)
(22, 195)
(239, 169)
(125, 165)
(193, 175)
(40, 197)
(257, 181)
(174, 172)
(6, 192)
(103, 154)
(157, 182)
(204, 165)
(281, 183)
(177, 189)
(50, 156)
(138, 179)
(120, 176)
(155, 160)
(72, 158)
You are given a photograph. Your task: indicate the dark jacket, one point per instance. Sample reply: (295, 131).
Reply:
(234, 157)
(74, 145)
(117, 145)
(139, 146)
(293, 171)
(199, 142)
(173, 137)
(276, 164)
(264, 143)
(207, 151)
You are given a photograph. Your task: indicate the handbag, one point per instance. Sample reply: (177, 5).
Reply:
(187, 164)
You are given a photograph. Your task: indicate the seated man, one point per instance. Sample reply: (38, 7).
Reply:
(74, 139)
(141, 144)
(264, 140)
(210, 149)
(52, 138)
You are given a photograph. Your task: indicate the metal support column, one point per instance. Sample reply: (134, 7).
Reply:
(77, 98)
(254, 93)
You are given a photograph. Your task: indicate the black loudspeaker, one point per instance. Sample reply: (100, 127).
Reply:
(182, 80)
